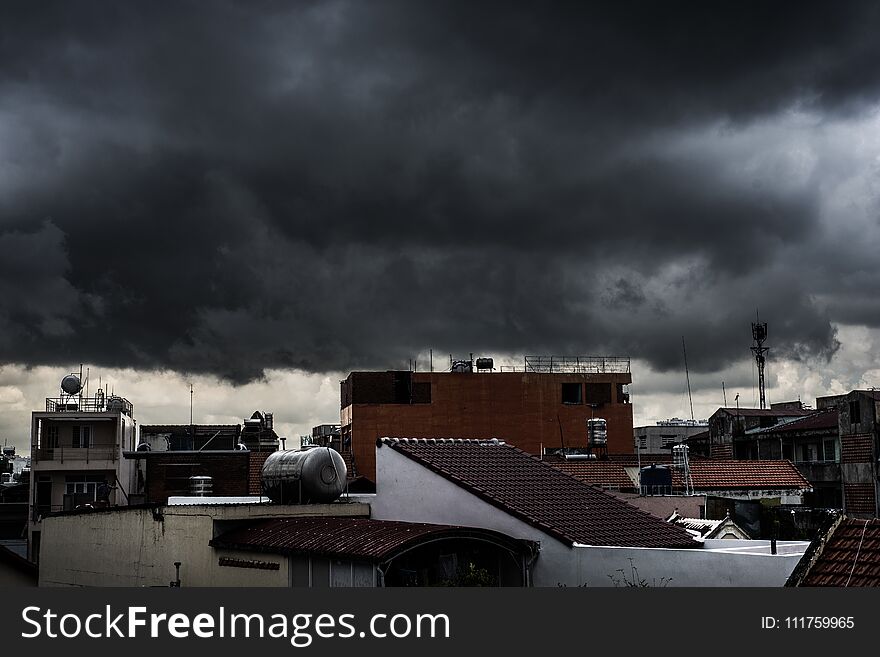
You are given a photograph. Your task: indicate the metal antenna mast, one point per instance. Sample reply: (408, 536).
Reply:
(687, 376)
(759, 334)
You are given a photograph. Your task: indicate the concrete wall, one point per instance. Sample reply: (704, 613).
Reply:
(137, 547)
(713, 565)
(409, 492)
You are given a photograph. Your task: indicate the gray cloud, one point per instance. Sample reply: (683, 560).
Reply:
(332, 185)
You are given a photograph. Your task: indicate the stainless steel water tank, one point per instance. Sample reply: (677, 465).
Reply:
(303, 476)
(201, 486)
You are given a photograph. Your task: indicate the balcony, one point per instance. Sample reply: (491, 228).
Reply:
(819, 471)
(76, 454)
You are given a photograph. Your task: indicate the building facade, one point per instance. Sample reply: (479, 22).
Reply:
(77, 444)
(547, 403)
(659, 438)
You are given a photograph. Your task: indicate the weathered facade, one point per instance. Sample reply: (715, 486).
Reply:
(76, 444)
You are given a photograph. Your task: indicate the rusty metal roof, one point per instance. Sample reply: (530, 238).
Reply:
(359, 538)
(824, 420)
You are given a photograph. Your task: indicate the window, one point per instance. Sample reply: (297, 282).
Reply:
(668, 441)
(572, 393)
(82, 485)
(82, 436)
(808, 453)
(599, 393)
(643, 442)
(855, 412)
(51, 437)
(830, 450)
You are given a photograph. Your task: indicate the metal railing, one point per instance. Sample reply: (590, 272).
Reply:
(573, 365)
(87, 454)
(89, 405)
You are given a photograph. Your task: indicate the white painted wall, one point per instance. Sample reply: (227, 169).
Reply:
(407, 491)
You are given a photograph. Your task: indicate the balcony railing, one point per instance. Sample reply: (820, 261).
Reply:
(573, 365)
(78, 454)
(89, 405)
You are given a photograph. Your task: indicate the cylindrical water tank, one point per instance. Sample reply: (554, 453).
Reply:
(313, 474)
(201, 486)
(71, 384)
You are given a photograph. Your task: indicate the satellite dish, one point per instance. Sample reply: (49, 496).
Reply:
(71, 384)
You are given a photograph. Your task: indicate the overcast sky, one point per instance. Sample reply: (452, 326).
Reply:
(261, 196)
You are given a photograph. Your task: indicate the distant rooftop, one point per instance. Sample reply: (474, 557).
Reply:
(706, 474)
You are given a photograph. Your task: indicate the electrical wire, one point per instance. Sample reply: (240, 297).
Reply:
(859, 549)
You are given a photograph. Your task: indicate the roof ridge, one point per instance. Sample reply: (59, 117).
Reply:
(394, 440)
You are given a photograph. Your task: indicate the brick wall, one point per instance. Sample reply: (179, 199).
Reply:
(724, 451)
(856, 449)
(859, 498)
(255, 466)
(168, 474)
(523, 409)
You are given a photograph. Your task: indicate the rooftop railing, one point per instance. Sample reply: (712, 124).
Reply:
(89, 405)
(572, 365)
(78, 454)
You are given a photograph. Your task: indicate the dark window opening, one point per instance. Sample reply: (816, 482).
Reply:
(572, 393)
(421, 393)
(855, 412)
(598, 393)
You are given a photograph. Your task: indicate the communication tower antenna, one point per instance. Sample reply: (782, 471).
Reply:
(759, 334)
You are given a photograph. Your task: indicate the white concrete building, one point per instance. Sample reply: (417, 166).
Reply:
(586, 537)
(76, 444)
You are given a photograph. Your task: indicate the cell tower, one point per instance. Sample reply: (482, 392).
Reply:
(759, 334)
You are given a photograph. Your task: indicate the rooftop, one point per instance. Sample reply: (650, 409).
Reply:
(539, 494)
(817, 421)
(765, 412)
(850, 556)
(706, 474)
(359, 538)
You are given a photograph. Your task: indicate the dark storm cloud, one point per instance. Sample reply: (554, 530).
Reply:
(229, 187)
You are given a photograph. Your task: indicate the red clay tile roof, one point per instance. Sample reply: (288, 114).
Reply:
(539, 494)
(605, 474)
(706, 474)
(822, 420)
(376, 540)
(851, 556)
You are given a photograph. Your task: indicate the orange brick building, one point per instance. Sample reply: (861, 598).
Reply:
(540, 406)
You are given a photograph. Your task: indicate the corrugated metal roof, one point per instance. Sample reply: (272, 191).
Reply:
(818, 421)
(540, 494)
(375, 540)
(764, 412)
